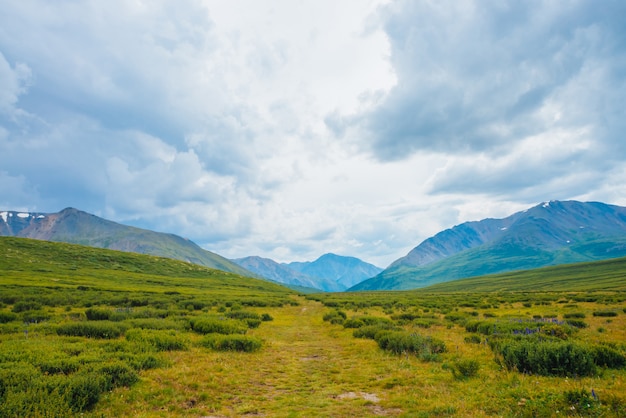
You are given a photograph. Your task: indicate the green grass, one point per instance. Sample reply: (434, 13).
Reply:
(88, 332)
(597, 275)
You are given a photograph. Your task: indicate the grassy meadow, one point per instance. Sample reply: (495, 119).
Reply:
(97, 333)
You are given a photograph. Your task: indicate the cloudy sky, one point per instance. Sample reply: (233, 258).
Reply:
(292, 128)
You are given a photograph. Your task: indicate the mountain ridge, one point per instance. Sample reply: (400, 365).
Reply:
(78, 227)
(330, 272)
(549, 233)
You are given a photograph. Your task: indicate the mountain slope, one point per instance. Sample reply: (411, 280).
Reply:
(330, 272)
(77, 227)
(345, 271)
(579, 277)
(281, 273)
(57, 265)
(551, 233)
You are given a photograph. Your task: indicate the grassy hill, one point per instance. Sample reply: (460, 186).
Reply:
(77, 227)
(67, 268)
(486, 260)
(591, 276)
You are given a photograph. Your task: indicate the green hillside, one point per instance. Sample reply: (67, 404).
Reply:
(486, 260)
(68, 268)
(77, 227)
(590, 276)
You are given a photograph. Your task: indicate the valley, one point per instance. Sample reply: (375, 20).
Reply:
(93, 332)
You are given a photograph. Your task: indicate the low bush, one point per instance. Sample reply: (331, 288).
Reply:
(353, 323)
(95, 314)
(399, 342)
(576, 323)
(335, 317)
(34, 317)
(6, 317)
(605, 313)
(160, 340)
(546, 358)
(232, 343)
(578, 315)
(465, 369)
(605, 356)
(243, 315)
(116, 374)
(370, 331)
(58, 366)
(253, 323)
(91, 329)
(209, 325)
(158, 323)
(83, 391)
(23, 306)
(473, 339)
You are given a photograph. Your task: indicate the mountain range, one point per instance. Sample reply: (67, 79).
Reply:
(77, 227)
(551, 233)
(330, 272)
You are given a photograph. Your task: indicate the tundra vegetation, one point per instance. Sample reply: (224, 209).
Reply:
(90, 332)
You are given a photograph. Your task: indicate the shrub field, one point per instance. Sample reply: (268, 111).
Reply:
(94, 333)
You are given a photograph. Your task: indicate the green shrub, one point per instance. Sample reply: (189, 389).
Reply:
(58, 366)
(243, 315)
(370, 331)
(159, 323)
(605, 356)
(353, 323)
(335, 317)
(117, 374)
(83, 391)
(23, 306)
(160, 340)
(34, 317)
(605, 313)
(89, 329)
(266, 317)
(473, 339)
(576, 323)
(95, 314)
(546, 358)
(465, 369)
(232, 343)
(143, 361)
(6, 317)
(399, 342)
(209, 325)
(578, 315)
(253, 323)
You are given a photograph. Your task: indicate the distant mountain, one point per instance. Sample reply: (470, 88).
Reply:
(281, 273)
(345, 271)
(330, 272)
(77, 227)
(550, 233)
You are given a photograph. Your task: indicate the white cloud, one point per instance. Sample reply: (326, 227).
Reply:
(289, 129)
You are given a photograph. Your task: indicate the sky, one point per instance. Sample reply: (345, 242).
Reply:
(288, 129)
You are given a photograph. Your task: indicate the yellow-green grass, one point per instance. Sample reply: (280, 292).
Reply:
(594, 276)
